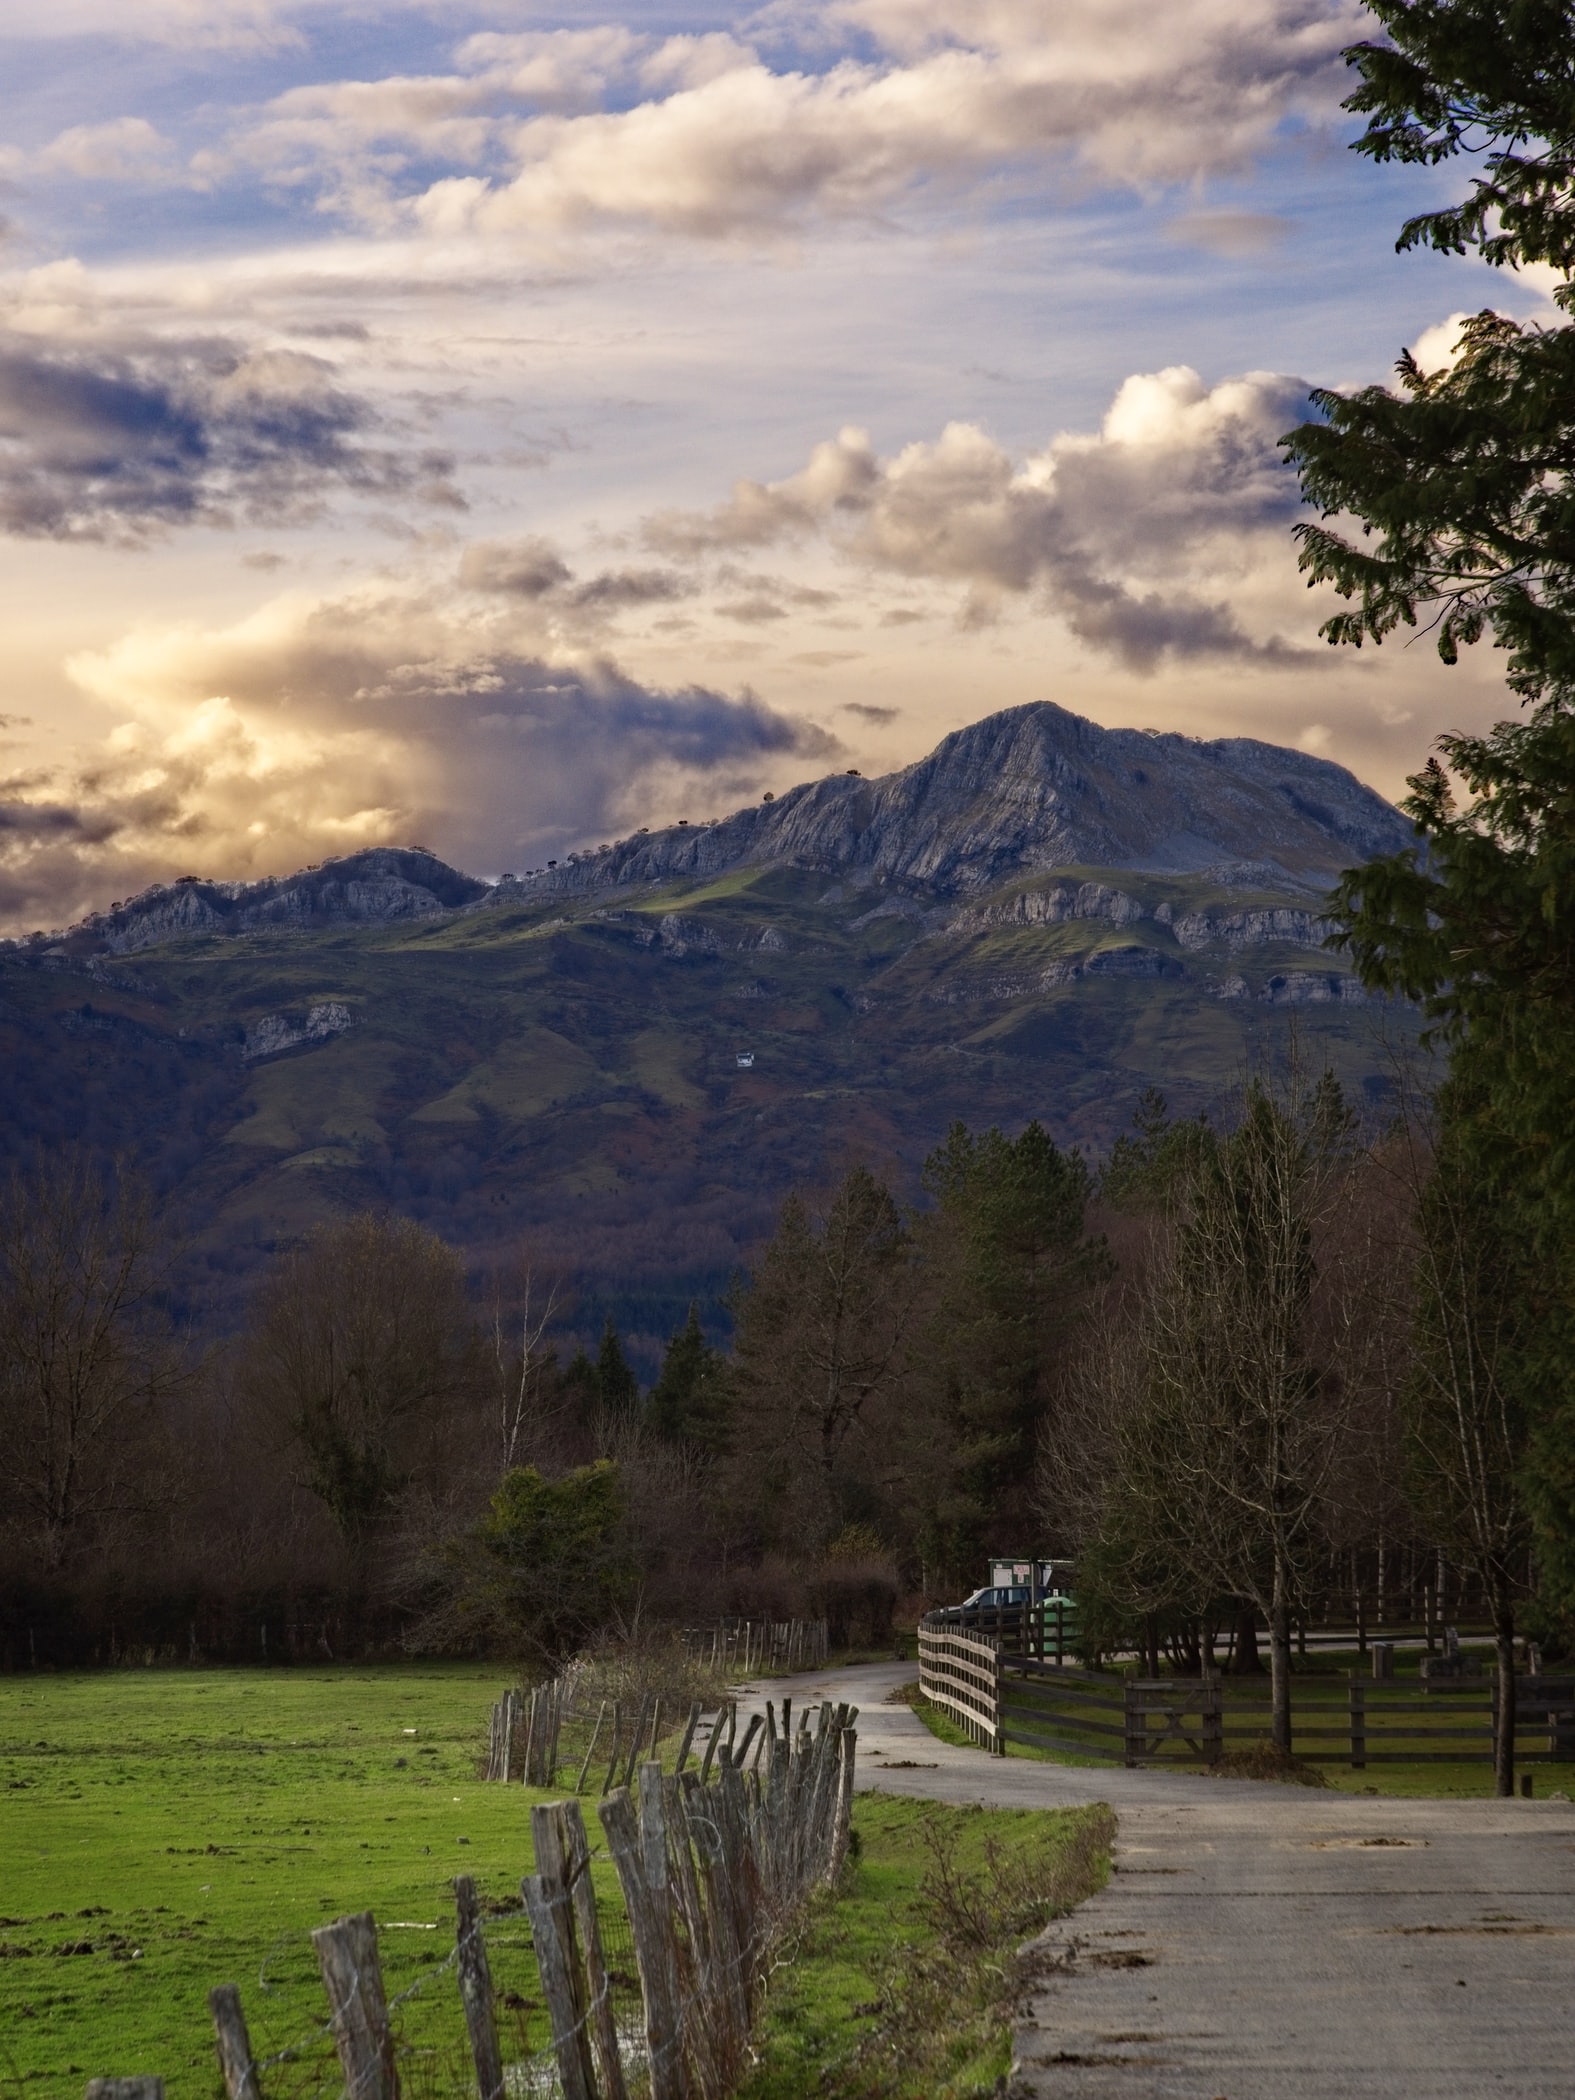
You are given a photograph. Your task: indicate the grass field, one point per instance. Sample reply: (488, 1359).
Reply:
(186, 1829)
(163, 1831)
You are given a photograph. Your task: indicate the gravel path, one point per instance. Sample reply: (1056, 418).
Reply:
(1270, 1942)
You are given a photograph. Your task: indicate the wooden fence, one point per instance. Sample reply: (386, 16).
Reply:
(525, 1736)
(1047, 1630)
(743, 1646)
(526, 1731)
(1002, 1697)
(711, 1874)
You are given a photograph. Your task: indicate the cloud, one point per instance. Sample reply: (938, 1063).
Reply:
(842, 475)
(1437, 348)
(1131, 96)
(356, 141)
(877, 717)
(546, 131)
(317, 726)
(532, 569)
(1137, 536)
(107, 444)
(126, 149)
(48, 820)
(208, 25)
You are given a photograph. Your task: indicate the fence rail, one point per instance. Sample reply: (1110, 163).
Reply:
(1002, 1696)
(710, 1875)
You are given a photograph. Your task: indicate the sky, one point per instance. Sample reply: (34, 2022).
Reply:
(497, 426)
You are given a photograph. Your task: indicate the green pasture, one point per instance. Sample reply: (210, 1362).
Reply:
(163, 1831)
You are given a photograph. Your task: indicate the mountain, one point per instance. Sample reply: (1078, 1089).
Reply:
(386, 882)
(628, 1059)
(1025, 790)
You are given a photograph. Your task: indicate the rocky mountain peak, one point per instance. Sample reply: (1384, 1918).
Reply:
(1033, 788)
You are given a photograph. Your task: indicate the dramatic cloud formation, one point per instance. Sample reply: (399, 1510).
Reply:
(372, 373)
(706, 137)
(317, 727)
(98, 444)
(1138, 537)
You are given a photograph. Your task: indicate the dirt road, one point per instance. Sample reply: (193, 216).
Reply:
(1273, 1943)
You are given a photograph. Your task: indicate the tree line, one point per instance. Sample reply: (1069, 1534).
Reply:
(391, 1449)
(1212, 1371)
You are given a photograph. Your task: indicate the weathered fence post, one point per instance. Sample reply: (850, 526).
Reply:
(998, 1729)
(662, 2035)
(548, 1899)
(754, 1728)
(353, 1979)
(530, 1738)
(1358, 1724)
(475, 1991)
(545, 1899)
(654, 1849)
(844, 1805)
(1211, 1699)
(234, 2043)
(689, 1736)
(598, 1986)
(601, 1711)
(712, 1745)
(1132, 1723)
(612, 1764)
(634, 1744)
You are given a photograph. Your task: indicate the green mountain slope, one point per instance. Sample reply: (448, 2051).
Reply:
(565, 1072)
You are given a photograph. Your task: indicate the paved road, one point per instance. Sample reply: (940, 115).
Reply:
(1273, 1943)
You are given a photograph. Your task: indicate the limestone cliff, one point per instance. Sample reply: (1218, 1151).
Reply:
(1032, 788)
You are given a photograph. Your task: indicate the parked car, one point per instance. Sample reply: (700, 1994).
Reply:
(987, 1608)
(996, 1599)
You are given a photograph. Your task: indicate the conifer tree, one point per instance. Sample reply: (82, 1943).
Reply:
(1011, 1269)
(689, 1402)
(616, 1385)
(1461, 482)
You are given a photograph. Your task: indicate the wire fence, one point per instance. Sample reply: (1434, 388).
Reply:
(632, 1969)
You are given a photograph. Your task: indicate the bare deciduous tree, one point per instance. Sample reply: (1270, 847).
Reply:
(87, 1351)
(1464, 1424)
(1219, 1413)
(821, 1342)
(521, 1312)
(362, 1354)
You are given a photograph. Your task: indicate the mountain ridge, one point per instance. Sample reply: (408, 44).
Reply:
(1015, 794)
(1027, 789)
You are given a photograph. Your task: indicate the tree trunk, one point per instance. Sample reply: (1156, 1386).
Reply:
(1280, 1673)
(1504, 1719)
(1244, 1659)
